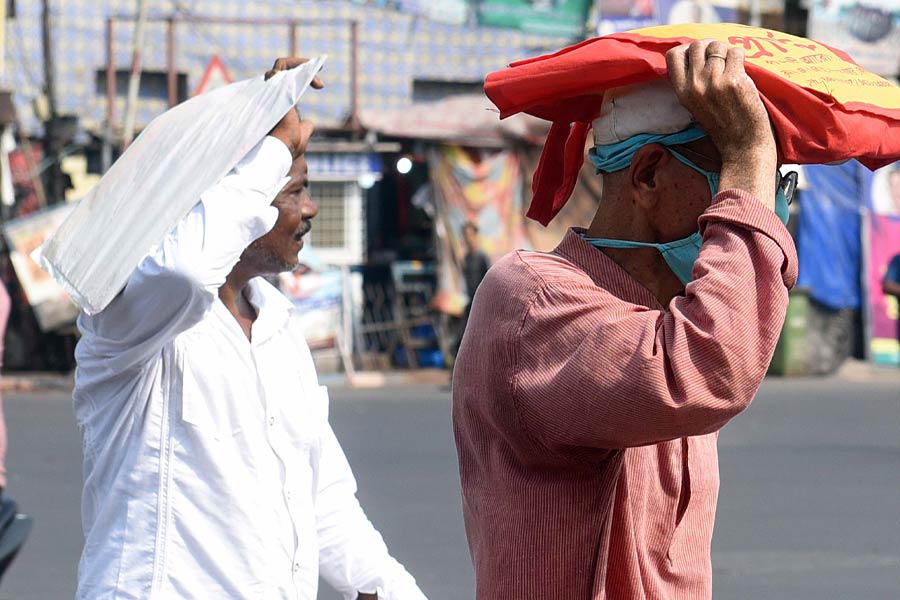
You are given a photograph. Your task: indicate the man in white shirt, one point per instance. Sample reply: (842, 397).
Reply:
(210, 468)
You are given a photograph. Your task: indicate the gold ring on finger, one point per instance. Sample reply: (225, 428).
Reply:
(709, 56)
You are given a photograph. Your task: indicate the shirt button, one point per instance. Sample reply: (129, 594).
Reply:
(288, 495)
(296, 567)
(272, 421)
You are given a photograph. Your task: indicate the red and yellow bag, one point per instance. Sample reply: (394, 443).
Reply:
(824, 107)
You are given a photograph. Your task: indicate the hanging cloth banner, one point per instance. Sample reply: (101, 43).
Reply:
(479, 187)
(824, 107)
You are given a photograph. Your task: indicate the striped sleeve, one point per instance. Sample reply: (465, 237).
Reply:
(595, 371)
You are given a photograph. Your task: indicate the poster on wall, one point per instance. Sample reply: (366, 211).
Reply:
(318, 297)
(478, 187)
(883, 236)
(868, 31)
(564, 18)
(885, 191)
(884, 239)
(446, 11)
(52, 307)
(613, 16)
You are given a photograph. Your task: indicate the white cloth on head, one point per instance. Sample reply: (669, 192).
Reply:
(649, 107)
(210, 468)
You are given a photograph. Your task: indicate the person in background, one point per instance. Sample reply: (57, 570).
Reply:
(890, 285)
(210, 467)
(475, 266)
(475, 263)
(593, 380)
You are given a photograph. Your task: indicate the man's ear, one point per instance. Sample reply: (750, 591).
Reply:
(644, 173)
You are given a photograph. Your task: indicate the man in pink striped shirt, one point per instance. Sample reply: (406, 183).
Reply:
(592, 380)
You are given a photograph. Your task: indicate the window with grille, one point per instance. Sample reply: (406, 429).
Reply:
(338, 230)
(329, 227)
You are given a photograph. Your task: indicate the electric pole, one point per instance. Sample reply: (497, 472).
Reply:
(53, 177)
(134, 81)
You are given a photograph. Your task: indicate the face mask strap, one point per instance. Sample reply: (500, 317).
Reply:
(680, 255)
(609, 158)
(711, 176)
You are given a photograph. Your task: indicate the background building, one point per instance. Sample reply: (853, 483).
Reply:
(407, 149)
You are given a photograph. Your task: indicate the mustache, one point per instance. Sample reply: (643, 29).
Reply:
(304, 229)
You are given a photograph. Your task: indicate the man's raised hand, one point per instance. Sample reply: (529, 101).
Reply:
(710, 81)
(290, 129)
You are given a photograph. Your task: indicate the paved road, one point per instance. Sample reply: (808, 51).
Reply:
(809, 505)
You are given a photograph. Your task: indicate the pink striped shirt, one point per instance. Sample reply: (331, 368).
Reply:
(586, 414)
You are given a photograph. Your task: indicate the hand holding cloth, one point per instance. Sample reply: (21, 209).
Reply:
(159, 179)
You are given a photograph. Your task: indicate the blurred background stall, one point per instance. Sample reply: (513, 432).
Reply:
(407, 149)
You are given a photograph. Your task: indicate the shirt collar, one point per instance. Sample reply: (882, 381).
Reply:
(603, 270)
(273, 309)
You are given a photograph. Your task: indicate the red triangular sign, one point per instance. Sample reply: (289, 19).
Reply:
(216, 75)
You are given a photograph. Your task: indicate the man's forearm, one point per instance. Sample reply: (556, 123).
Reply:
(891, 288)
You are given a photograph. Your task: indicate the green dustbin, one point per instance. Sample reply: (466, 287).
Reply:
(792, 351)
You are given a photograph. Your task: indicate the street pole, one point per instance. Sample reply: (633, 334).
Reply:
(49, 75)
(54, 187)
(134, 81)
(6, 200)
(2, 37)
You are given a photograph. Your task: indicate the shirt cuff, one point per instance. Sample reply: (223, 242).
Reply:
(261, 169)
(395, 583)
(404, 591)
(247, 192)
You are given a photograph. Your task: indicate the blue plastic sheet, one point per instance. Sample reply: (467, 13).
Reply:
(828, 234)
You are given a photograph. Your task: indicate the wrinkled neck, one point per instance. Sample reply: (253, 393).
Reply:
(615, 219)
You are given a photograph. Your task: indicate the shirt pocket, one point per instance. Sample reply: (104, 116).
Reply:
(699, 492)
(207, 405)
(703, 463)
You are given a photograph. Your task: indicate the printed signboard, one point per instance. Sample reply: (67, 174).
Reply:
(52, 306)
(565, 18)
(868, 31)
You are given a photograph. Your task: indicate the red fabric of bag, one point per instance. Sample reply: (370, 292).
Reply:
(823, 106)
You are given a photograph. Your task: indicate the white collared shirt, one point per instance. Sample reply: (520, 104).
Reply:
(210, 469)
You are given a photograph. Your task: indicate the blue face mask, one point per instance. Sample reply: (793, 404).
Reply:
(680, 255)
(711, 176)
(781, 203)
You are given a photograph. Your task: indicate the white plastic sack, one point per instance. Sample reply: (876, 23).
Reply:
(159, 178)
